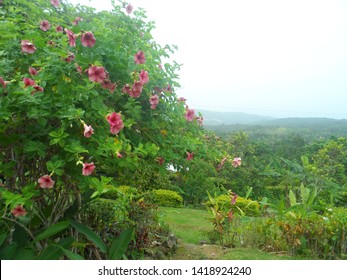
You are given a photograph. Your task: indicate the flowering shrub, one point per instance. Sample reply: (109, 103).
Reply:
(239, 205)
(82, 101)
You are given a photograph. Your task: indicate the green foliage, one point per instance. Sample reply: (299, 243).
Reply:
(120, 244)
(313, 236)
(45, 115)
(167, 198)
(127, 190)
(318, 236)
(242, 206)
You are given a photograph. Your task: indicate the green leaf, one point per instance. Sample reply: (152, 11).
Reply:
(92, 236)
(75, 147)
(29, 191)
(248, 192)
(12, 198)
(59, 133)
(292, 198)
(69, 254)
(42, 121)
(281, 207)
(52, 230)
(312, 197)
(305, 193)
(241, 212)
(54, 252)
(8, 252)
(3, 236)
(24, 254)
(120, 244)
(55, 165)
(35, 147)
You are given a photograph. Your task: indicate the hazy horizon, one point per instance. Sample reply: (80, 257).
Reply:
(272, 58)
(264, 115)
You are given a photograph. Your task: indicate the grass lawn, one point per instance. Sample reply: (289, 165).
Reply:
(191, 227)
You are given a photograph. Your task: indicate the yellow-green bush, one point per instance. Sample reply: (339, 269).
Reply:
(167, 198)
(247, 206)
(127, 190)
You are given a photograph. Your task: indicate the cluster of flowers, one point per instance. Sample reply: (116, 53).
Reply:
(235, 162)
(190, 114)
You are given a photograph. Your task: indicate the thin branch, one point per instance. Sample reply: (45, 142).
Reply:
(17, 223)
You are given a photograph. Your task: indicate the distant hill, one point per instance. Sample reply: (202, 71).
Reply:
(226, 118)
(305, 122)
(308, 128)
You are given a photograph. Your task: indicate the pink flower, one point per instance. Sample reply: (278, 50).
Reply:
(59, 28)
(126, 89)
(230, 215)
(236, 162)
(77, 20)
(154, 100)
(28, 82)
(136, 89)
(96, 74)
(189, 156)
(27, 46)
(233, 197)
(189, 115)
(55, 3)
(220, 166)
(88, 168)
(88, 131)
(44, 25)
(79, 69)
(46, 182)
(140, 58)
(119, 155)
(108, 85)
(144, 77)
(88, 39)
(32, 71)
(115, 121)
(114, 129)
(168, 88)
(129, 8)
(3, 83)
(37, 89)
(70, 57)
(160, 160)
(182, 99)
(160, 66)
(72, 37)
(18, 211)
(200, 120)
(112, 87)
(158, 90)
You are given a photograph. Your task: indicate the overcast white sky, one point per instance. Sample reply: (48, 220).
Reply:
(269, 57)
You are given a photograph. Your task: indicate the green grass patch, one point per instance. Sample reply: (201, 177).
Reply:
(189, 225)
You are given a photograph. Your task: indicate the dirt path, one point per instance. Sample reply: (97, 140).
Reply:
(187, 251)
